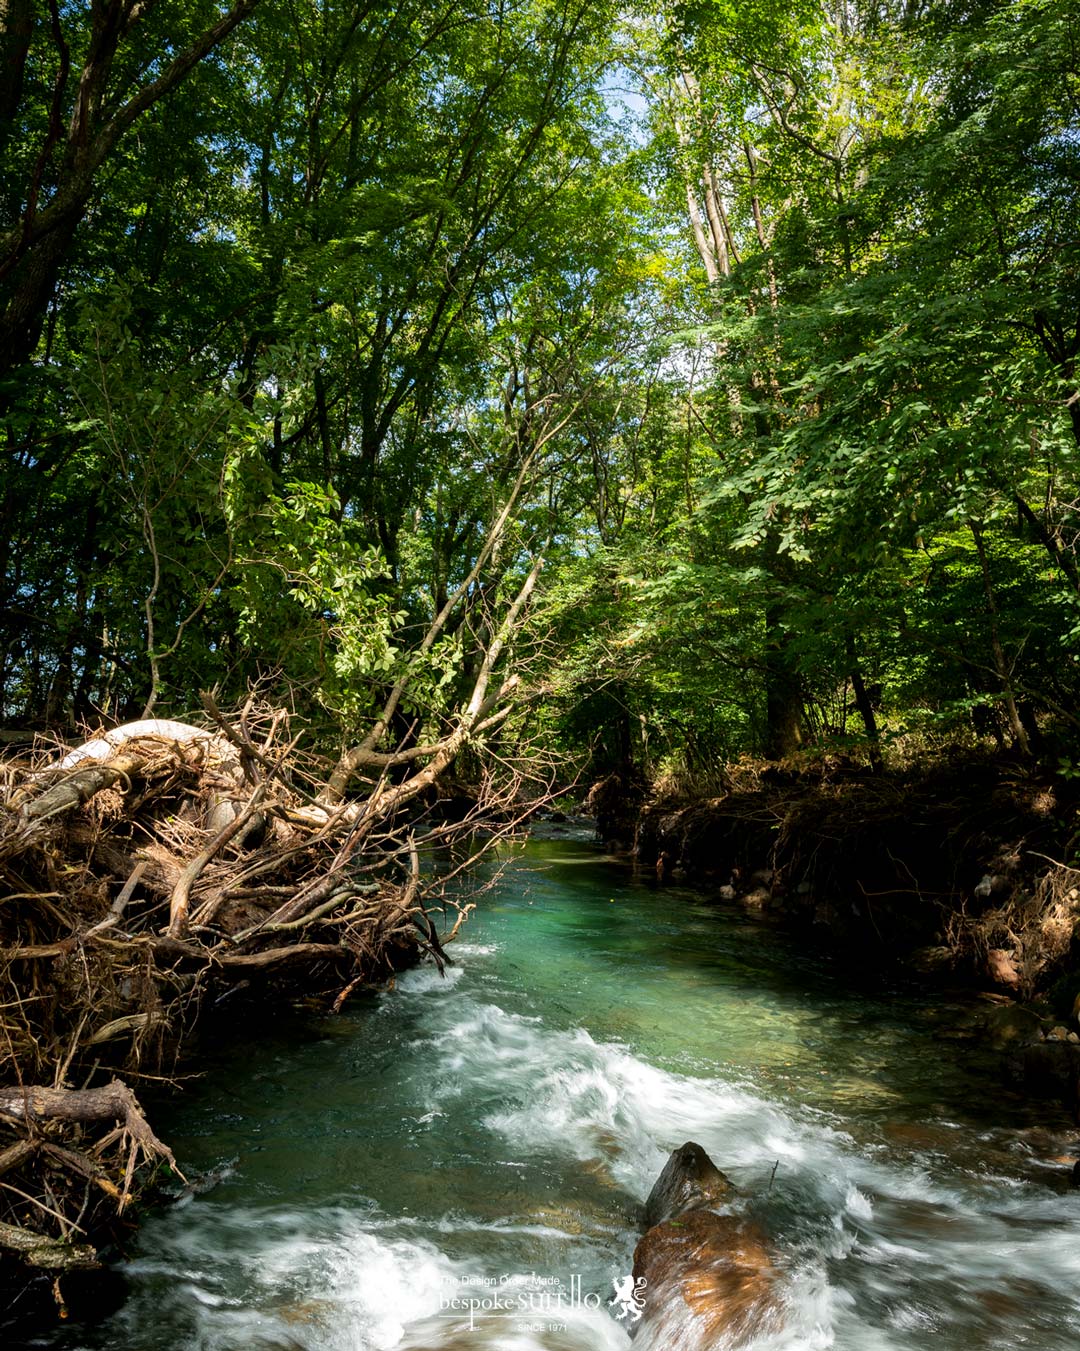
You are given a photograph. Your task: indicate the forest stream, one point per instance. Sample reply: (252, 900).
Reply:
(497, 1129)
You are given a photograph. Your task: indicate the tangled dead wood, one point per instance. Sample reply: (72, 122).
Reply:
(144, 875)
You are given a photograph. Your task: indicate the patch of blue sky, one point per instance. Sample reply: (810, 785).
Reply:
(625, 102)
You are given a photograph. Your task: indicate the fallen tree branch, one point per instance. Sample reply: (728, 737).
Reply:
(52, 1254)
(16, 1154)
(79, 787)
(91, 1169)
(114, 1101)
(277, 956)
(181, 896)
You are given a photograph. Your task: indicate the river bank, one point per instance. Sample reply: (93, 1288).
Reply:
(157, 879)
(960, 872)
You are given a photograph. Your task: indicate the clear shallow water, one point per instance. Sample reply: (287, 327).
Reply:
(496, 1130)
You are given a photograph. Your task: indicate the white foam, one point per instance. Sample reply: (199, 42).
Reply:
(473, 950)
(563, 1094)
(570, 1094)
(878, 1253)
(332, 1280)
(318, 1279)
(426, 979)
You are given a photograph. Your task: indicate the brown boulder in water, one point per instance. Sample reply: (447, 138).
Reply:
(689, 1181)
(709, 1277)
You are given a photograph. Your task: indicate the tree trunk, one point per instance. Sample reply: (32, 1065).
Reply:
(30, 290)
(864, 705)
(1001, 665)
(16, 30)
(783, 689)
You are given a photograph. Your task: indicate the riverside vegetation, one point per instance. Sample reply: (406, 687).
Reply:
(411, 411)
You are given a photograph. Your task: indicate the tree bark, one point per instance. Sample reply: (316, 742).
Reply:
(783, 689)
(16, 30)
(84, 1106)
(864, 705)
(80, 787)
(1001, 665)
(52, 1254)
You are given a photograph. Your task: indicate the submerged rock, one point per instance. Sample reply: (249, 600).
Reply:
(1051, 1069)
(1012, 1025)
(935, 960)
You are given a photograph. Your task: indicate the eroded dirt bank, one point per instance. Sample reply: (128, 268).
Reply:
(965, 871)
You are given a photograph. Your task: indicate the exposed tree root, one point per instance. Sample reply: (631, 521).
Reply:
(958, 863)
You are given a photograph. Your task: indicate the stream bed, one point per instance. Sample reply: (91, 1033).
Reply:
(494, 1131)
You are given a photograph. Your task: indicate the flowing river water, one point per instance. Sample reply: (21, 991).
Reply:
(496, 1130)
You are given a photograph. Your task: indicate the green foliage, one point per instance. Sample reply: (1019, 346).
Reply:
(884, 205)
(781, 377)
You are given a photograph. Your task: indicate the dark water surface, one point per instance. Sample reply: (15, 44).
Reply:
(495, 1130)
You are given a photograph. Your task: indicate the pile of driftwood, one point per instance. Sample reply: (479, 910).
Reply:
(146, 874)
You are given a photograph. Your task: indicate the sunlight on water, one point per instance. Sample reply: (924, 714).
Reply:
(496, 1129)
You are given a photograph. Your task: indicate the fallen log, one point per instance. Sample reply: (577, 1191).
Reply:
(50, 1254)
(114, 1101)
(79, 787)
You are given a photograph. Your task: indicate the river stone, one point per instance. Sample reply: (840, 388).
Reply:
(706, 1276)
(689, 1180)
(710, 1282)
(932, 961)
(1051, 1068)
(1011, 1025)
